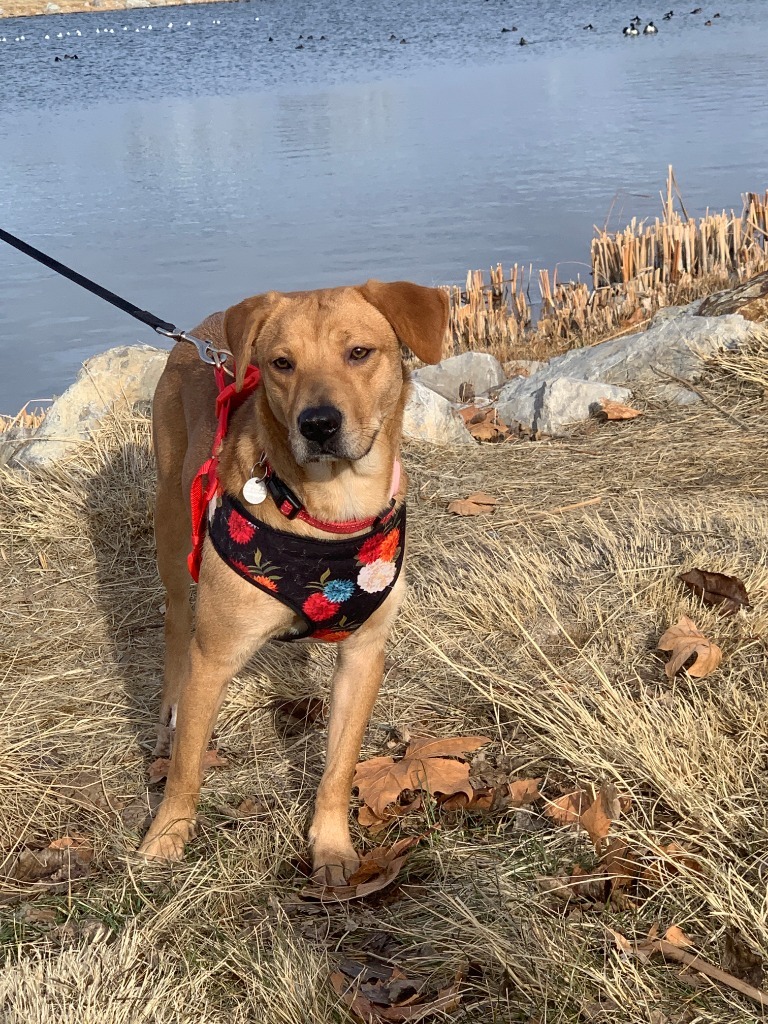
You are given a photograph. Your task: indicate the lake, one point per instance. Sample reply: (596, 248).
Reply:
(186, 167)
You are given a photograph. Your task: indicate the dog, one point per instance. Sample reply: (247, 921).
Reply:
(322, 428)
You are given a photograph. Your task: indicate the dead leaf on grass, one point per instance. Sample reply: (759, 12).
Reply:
(378, 868)
(429, 764)
(64, 860)
(671, 859)
(685, 641)
(593, 812)
(302, 709)
(484, 423)
(368, 819)
(677, 937)
(616, 411)
(477, 504)
(386, 994)
(159, 767)
(715, 588)
(516, 793)
(86, 789)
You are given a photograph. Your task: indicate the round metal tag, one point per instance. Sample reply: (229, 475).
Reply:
(254, 491)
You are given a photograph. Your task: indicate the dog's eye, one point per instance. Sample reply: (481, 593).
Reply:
(358, 353)
(281, 363)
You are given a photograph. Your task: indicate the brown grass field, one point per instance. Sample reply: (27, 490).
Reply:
(535, 625)
(28, 8)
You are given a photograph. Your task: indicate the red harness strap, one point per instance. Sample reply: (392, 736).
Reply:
(205, 485)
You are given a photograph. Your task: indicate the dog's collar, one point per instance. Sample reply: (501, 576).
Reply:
(291, 506)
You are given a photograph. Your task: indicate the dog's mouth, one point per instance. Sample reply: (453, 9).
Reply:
(340, 447)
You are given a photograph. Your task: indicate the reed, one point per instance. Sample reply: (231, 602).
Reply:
(670, 261)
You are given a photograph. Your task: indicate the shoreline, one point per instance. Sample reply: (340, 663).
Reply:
(35, 8)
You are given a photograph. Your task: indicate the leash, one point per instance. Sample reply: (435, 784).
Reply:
(205, 485)
(208, 353)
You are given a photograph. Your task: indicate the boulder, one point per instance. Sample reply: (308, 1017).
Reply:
(464, 377)
(550, 405)
(115, 379)
(676, 347)
(430, 417)
(749, 300)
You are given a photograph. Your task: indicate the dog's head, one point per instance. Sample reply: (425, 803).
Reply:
(330, 360)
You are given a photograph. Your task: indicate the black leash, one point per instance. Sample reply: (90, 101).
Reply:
(207, 352)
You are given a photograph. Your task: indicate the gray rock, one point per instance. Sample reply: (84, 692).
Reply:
(430, 417)
(461, 378)
(116, 379)
(674, 312)
(131, 4)
(52, 9)
(550, 405)
(677, 347)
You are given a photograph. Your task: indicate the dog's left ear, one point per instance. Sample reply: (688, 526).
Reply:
(417, 315)
(242, 325)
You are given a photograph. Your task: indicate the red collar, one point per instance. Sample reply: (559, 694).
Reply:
(205, 486)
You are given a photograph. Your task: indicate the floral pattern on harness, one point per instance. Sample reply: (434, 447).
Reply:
(377, 558)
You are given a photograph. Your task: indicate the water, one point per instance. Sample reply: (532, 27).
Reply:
(186, 168)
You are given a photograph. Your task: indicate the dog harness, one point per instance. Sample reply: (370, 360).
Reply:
(332, 586)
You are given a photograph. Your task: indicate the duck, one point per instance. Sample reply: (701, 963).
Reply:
(392, 37)
(404, 42)
(300, 46)
(270, 39)
(523, 41)
(630, 30)
(696, 10)
(637, 20)
(650, 29)
(668, 15)
(716, 15)
(589, 28)
(707, 22)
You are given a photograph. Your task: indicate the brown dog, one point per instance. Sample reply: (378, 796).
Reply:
(328, 417)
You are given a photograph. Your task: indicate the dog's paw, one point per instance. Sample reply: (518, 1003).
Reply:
(165, 844)
(333, 863)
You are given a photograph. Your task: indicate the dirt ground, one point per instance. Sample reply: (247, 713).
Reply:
(535, 625)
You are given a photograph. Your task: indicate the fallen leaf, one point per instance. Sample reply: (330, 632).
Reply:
(159, 767)
(517, 793)
(616, 411)
(594, 813)
(566, 809)
(428, 764)
(63, 861)
(677, 937)
(685, 641)
(303, 709)
(374, 823)
(671, 858)
(484, 423)
(738, 959)
(377, 869)
(715, 588)
(620, 864)
(86, 789)
(672, 951)
(474, 505)
(391, 997)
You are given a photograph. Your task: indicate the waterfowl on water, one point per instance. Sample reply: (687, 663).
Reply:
(696, 10)
(668, 15)
(404, 41)
(715, 15)
(589, 28)
(630, 30)
(650, 29)
(707, 23)
(523, 41)
(392, 37)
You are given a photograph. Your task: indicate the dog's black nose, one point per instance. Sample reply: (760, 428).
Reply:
(320, 423)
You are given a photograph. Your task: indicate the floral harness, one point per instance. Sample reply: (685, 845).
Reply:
(334, 586)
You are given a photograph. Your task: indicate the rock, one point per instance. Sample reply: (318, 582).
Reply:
(750, 300)
(550, 405)
(462, 378)
(52, 9)
(131, 4)
(677, 347)
(674, 312)
(430, 417)
(120, 377)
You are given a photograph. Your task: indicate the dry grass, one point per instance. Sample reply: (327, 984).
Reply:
(28, 8)
(535, 626)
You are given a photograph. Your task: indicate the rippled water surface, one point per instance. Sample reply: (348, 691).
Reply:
(187, 167)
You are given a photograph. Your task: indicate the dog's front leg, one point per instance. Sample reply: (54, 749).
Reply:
(226, 636)
(354, 688)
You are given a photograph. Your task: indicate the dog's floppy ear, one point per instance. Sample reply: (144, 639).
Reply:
(243, 324)
(417, 315)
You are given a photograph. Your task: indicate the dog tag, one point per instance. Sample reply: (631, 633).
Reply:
(254, 491)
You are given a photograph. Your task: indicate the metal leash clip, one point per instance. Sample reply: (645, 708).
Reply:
(207, 352)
